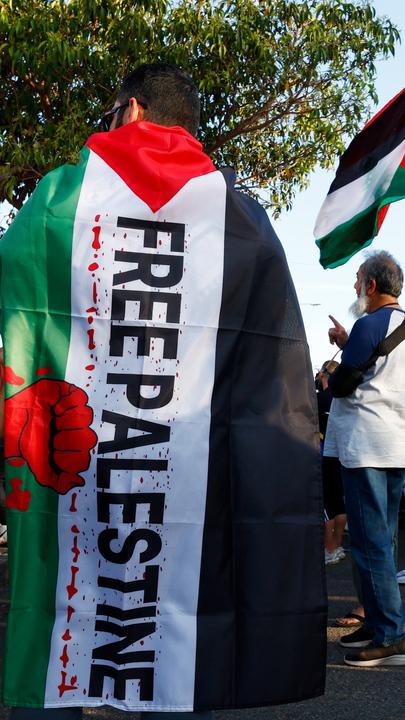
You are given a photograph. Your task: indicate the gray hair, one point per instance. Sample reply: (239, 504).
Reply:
(387, 273)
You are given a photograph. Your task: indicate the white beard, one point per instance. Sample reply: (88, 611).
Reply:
(360, 306)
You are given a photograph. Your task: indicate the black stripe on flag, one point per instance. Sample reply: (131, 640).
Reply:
(262, 604)
(378, 139)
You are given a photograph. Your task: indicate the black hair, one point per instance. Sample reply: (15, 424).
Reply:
(387, 273)
(169, 94)
(329, 366)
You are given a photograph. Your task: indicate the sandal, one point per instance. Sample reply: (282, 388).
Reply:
(350, 620)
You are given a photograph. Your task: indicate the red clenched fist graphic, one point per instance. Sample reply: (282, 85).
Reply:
(48, 425)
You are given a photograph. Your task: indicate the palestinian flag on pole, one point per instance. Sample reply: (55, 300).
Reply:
(370, 176)
(165, 530)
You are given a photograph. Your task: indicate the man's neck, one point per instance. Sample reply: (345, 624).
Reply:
(379, 300)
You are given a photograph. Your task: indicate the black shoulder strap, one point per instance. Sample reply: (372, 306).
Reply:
(346, 379)
(386, 346)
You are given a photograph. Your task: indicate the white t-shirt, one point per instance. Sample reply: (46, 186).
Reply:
(367, 428)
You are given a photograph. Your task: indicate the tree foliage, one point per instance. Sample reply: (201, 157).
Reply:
(283, 82)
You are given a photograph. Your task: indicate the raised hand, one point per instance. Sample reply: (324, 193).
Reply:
(337, 334)
(48, 425)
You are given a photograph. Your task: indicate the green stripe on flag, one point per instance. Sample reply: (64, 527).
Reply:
(36, 300)
(350, 237)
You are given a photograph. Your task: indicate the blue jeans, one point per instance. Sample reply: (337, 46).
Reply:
(372, 497)
(76, 714)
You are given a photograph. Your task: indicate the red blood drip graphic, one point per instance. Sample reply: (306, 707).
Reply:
(97, 218)
(66, 635)
(94, 292)
(91, 310)
(11, 378)
(71, 588)
(90, 367)
(96, 242)
(91, 344)
(63, 687)
(75, 529)
(64, 657)
(93, 266)
(69, 613)
(73, 507)
(18, 499)
(43, 371)
(90, 320)
(75, 550)
(16, 462)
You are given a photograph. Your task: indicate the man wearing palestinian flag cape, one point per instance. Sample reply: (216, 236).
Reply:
(160, 432)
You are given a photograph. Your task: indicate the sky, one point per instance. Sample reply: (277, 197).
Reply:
(323, 292)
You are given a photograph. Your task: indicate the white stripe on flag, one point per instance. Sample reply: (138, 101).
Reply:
(201, 205)
(348, 201)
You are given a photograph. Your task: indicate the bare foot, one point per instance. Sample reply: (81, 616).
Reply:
(354, 618)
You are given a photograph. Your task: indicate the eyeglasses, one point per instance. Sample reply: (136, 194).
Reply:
(107, 119)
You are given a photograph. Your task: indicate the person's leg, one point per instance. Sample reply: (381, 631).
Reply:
(330, 544)
(370, 508)
(339, 528)
(356, 578)
(396, 480)
(20, 713)
(334, 505)
(356, 575)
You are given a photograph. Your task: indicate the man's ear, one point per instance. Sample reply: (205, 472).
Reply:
(135, 111)
(371, 286)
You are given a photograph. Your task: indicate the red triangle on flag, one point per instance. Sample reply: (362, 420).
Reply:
(153, 160)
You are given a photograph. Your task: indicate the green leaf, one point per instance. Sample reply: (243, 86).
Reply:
(284, 83)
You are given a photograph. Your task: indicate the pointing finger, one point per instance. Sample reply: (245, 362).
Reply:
(335, 322)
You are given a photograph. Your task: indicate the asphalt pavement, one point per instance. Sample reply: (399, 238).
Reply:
(351, 693)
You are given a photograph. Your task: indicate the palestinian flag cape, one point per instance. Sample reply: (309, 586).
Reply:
(370, 176)
(163, 484)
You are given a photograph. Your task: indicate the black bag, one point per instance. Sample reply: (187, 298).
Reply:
(346, 379)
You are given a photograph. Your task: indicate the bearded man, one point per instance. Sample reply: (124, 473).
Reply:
(366, 431)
